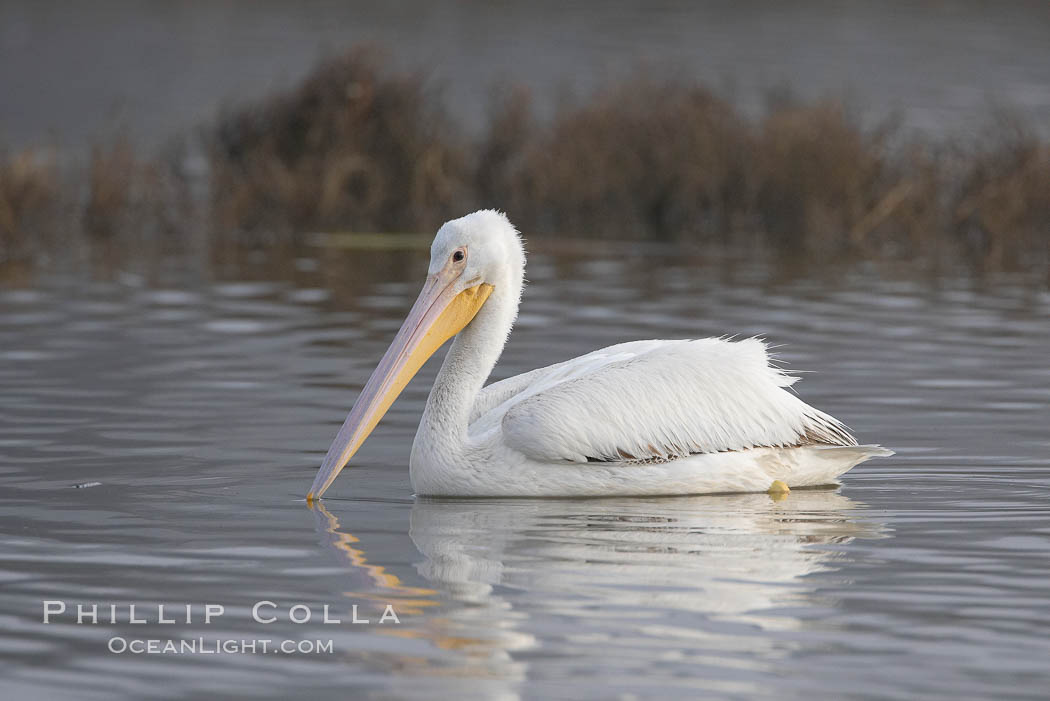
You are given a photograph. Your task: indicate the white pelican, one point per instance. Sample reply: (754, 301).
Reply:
(639, 418)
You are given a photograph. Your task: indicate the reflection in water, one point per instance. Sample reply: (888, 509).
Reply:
(674, 568)
(727, 556)
(478, 652)
(387, 586)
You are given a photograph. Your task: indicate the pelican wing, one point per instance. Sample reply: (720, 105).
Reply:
(656, 401)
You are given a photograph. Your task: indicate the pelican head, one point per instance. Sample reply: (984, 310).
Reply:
(470, 257)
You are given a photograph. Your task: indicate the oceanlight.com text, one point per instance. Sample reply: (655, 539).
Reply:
(217, 646)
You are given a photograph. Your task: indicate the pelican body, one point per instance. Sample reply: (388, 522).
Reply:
(657, 417)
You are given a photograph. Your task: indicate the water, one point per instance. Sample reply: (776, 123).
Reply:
(200, 411)
(74, 73)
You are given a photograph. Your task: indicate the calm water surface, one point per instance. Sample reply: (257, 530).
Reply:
(202, 411)
(70, 72)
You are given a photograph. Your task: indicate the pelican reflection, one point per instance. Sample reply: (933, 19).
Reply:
(726, 556)
(571, 578)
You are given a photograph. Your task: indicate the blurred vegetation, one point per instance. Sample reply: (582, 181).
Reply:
(29, 204)
(360, 147)
(352, 147)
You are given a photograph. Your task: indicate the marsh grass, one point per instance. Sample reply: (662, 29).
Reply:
(361, 147)
(644, 159)
(353, 146)
(1000, 205)
(29, 204)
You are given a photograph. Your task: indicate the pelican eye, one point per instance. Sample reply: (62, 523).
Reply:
(458, 256)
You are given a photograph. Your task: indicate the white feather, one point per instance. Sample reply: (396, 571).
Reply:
(663, 400)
